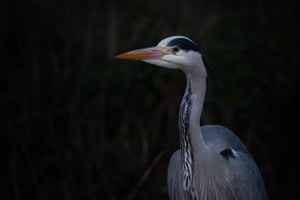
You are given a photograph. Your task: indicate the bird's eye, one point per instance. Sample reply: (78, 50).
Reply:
(175, 49)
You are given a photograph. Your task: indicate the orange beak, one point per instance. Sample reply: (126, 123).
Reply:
(143, 54)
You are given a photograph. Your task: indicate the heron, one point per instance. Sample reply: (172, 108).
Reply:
(212, 162)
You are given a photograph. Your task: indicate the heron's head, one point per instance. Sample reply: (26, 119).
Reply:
(175, 52)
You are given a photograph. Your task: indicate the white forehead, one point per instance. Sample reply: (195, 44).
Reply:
(166, 41)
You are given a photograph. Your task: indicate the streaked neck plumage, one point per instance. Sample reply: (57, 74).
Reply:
(191, 140)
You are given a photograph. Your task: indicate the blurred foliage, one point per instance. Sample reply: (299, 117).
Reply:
(77, 124)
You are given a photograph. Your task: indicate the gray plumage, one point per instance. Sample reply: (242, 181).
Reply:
(232, 177)
(212, 163)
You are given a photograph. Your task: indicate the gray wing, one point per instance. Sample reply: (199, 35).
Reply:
(244, 175)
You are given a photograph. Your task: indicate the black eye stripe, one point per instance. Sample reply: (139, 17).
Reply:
(184, 44)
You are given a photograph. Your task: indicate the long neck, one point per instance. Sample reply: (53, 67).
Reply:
(191, 139)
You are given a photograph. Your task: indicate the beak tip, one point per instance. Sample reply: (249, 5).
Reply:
(126, 56)
(141, 54)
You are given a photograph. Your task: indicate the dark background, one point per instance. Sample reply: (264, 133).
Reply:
(78, 124)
